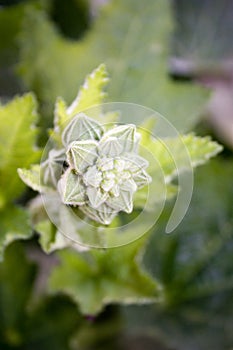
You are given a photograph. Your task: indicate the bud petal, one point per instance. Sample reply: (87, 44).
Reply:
(103, 215)
(51, 169)
(110, 147)
(96, 197)
(92, 177)
(124, 202)
(126, 135)
(80, 128)
(71, 189)
(141, 178)
(134, 162)
(82, 154)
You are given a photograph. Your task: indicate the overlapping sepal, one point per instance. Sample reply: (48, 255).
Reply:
(104, 169)
(82, 127)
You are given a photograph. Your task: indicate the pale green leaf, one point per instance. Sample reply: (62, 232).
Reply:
(32, 178)
(60, 114)
(178, 154)
(52, 167)
(42, 210)
(17, 148)
(47, 232)
(170, 157)
(51, 239)
(91, 93)
(44, 177)
(17, 142)
(131, 37)
(15, 225)
(99, 277)
(200, 149)
(157, 192)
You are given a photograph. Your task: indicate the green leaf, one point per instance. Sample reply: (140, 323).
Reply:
(16, 277)
(177, 154)
(11, 18)
(15, 224)
(51, 239)
(10, 25)
(31, 178)
(51, 324)
(44, 177)
(160, 194)
(17, 143)
(46, 324)
(200, 149)
(17, 148)
(90, 94)
(169, 158)
(195, 265)
(202, 46)
(99, 277)
(10, 21)
(134, 39)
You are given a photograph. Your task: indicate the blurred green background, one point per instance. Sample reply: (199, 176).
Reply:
(175, 57)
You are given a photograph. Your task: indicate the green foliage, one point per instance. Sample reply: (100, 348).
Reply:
(99, 277)
(17, 142)
(15, 224)
(172, 153)
(92, 91)
(47, 178)
(51, 323)
(11, 19)
(72, 16)
(133, 41)
(32, 178)
(48, 324)
(17, 148)
(172, 156)
(189, 280)
(50, 238)
(15, 293)
(210, 40)
(200, 149)
(90, 94)
(10, 24)
(194, 265)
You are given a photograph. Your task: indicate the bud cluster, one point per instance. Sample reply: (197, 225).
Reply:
(102, 168)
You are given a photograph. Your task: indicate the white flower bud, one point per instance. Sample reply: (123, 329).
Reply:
(104, 169)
